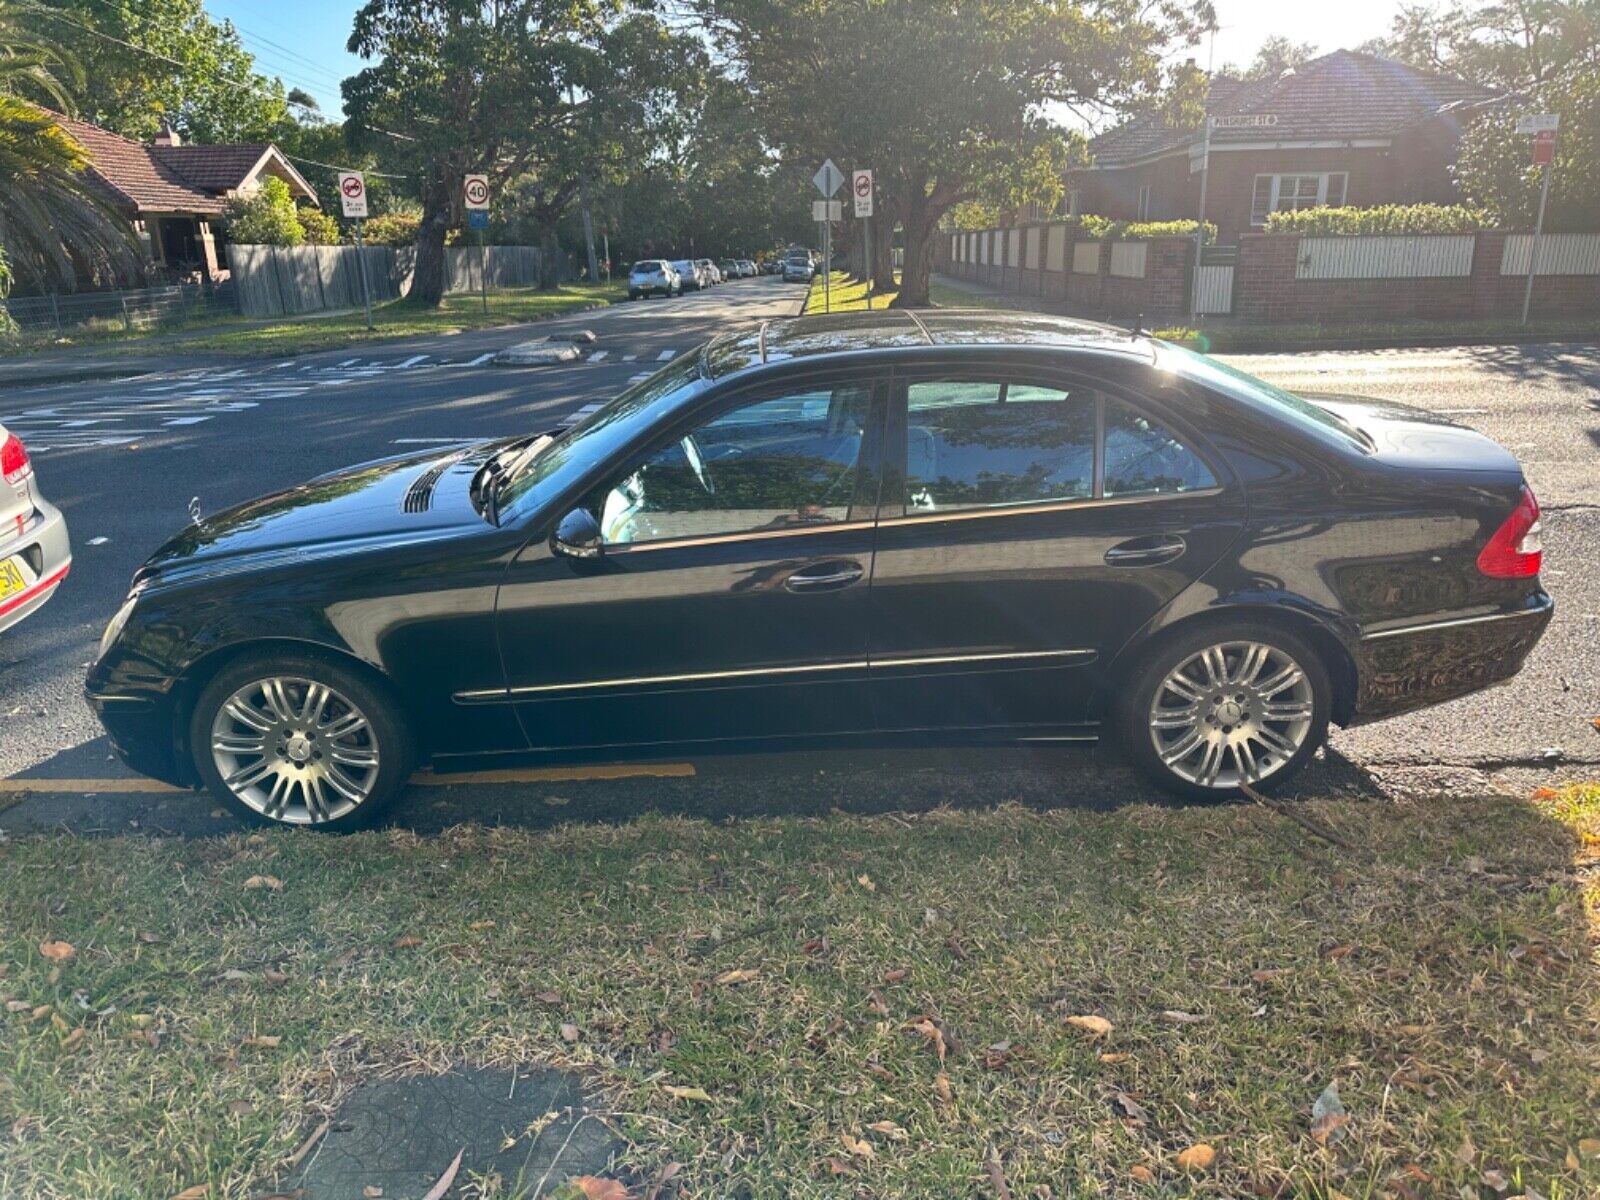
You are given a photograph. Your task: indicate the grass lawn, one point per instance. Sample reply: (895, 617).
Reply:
(849, 295)
(1239, 339)
(1005, 1002)
(400, 319)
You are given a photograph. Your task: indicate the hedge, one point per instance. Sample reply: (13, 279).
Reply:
(1105, 229)
(1381, 219)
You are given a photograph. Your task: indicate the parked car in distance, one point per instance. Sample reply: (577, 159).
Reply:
(747, 269)
(35, 552)
(690, 277)
(710, 271)
(730, 269)
(949, 525)
(797, 267)
(651, 276)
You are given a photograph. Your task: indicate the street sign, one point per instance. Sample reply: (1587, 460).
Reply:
(828, 178)
(1245, 121)
(861, 185)
(353, 193)
(1539, 123)
(827, 210)
(1544, 148)
(477, 218)
(475, 188)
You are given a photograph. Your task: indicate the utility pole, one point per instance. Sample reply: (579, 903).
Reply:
(588, 237)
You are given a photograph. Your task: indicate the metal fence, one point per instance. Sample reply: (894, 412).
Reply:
(175, 304)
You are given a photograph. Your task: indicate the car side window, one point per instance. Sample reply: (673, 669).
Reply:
(978, 444)
(1143, 459)
(779, 463)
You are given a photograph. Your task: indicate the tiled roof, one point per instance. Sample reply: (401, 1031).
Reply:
(1340, 96)
(148, 179)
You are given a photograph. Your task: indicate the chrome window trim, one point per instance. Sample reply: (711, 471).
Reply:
(1017, 510)
(743, 535)
(1453, 622)
(500, 695)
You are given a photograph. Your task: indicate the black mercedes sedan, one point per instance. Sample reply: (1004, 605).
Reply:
(944, 524)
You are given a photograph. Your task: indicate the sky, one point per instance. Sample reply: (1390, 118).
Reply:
(303, 41)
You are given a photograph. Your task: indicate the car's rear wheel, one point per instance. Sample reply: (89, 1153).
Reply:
(296, 739)
(1225, 705)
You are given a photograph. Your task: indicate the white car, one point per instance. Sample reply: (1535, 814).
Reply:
(35, 554)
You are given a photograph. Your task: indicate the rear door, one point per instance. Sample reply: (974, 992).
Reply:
(1032, 522)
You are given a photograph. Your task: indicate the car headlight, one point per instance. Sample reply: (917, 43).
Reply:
(119, 620)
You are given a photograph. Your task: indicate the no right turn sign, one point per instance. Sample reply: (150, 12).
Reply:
(353, 193)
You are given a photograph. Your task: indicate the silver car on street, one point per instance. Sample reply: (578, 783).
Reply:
(35, 554)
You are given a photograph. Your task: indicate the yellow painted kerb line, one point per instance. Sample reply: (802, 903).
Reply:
(420, 779)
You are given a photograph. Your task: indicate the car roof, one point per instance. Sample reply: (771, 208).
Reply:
(903, 329)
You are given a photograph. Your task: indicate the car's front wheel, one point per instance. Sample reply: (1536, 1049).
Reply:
(1225, 705)
(295, 739)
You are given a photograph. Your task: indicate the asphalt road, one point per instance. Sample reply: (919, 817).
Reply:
(125, 459)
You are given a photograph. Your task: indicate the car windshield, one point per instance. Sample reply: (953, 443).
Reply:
(545, 475)
(1207, 371)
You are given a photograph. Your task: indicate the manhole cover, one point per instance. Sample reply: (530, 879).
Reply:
(401, 1135)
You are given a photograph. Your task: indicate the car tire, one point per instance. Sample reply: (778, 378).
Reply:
(341, 755)
(1197, 724)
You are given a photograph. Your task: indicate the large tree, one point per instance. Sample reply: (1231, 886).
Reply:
(514, 89)
(946, 101)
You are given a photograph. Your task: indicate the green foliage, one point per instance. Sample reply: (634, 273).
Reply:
(215, 95)
(392, 229)
(317, 226)
(7, 325)
(1495, 169)
(1276, 55)
(1381, 219)
(267, 218)
(1105, 229)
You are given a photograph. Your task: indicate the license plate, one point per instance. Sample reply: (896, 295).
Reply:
(11, 580)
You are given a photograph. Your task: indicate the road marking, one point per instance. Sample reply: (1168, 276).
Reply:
(411, 362)
(639, 378)
(599, 356)
(666, 356)
(349, 362)
(186, 420)
(480, 360)
(424, 778)
(630, 358)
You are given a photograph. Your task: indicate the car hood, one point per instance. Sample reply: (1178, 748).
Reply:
(1415, 439)
(393, 500)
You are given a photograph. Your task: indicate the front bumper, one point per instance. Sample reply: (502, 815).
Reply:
(1408, 667)
(142, 734)
(43, 553)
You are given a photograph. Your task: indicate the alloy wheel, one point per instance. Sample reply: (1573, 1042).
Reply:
(295, 750)
(1233, 713)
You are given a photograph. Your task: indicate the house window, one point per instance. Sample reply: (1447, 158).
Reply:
(1144, 202)
(1288, 193)
(1070, 202)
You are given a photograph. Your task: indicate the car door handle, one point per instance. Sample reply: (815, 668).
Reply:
(825, 577)
(1146, 551)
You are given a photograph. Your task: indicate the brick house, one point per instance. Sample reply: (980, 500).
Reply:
(1346, 128)
(175, 194)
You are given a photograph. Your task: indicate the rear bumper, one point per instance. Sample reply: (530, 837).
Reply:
(1406, 667)
(44, 553)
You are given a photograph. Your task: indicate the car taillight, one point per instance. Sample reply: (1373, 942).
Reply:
(14, 465)
(1515, 552)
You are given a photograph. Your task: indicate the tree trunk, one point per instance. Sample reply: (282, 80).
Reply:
(549, 257)
(920, 222)
(427, 273)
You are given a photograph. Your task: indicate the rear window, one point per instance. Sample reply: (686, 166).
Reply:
(647, 265)
(1207, 371)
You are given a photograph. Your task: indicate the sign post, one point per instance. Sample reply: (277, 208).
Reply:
(353, 199)
(1543, 127)
(828, 180)
(861, 187)
(1200, 222)
(475, 197)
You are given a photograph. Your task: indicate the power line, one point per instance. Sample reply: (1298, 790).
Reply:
(336, 167)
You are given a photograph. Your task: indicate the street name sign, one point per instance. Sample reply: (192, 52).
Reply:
(827, 210)
(861, 185)
(353, 193)
(828, 178)
(1539, 123)
(1245, 121)
(475, 190)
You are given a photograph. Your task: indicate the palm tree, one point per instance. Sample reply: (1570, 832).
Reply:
(53, 222)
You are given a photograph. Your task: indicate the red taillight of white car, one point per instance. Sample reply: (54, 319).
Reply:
(1515, 551)
(14, 464)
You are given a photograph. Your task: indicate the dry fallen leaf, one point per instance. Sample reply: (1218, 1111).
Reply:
(1268, 974)
(1130, 1108)
(933, 1033)
(270, 882)
(547, 997)
(889, 1130)
(942, 1089)
(275, 978)
(407, 941)
(437, 1191)
(1589, 1147)
(569, 1033)
(1178, 1017)
(1341, 951)
(265, 1041)
(860, 1147)
(1142, 1174)
(866, 882)
(895, 975)
(837, 1166)
(481, 925)
(595, 1188)
(372, 1191)
(193, 1193)
(241, 1108)
(1112, 1060)
(1197, 1157)
(699, 1095)
(58, 951)
(1091, 1024)
(739, 975)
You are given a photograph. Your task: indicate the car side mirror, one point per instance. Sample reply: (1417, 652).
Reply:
(578, 535)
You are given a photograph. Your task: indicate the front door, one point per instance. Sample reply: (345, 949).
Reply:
(729, 600)
(1033, 522)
